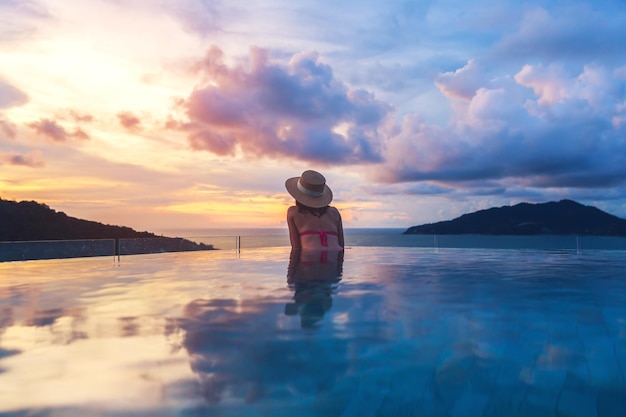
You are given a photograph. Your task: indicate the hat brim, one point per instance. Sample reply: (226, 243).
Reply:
(316, 202)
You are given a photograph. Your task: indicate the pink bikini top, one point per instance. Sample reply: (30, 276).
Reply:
(323, 236)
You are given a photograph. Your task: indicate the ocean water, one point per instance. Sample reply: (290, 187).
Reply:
(381, 331)
(394, 237)
(238, 239)
(271, 231)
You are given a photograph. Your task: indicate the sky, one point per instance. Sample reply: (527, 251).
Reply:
(176, 114)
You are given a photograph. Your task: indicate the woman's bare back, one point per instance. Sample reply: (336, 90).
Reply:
(311, 232)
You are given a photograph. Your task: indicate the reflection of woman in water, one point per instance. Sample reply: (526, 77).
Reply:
(233, 345)
(313, 224)
(238, 351)
(312, 275)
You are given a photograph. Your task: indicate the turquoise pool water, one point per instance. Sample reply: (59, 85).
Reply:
(386, 332)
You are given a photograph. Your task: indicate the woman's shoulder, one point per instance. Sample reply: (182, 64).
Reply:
(333, 211)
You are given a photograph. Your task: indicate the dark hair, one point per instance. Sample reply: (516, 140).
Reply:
(319, 212)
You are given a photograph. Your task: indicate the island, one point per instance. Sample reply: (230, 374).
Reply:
(565, 217)
(31, 230)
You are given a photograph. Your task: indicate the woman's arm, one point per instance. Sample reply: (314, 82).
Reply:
(294, 235)
(340, 230)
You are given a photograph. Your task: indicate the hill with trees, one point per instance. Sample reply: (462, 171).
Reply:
(565, 217)
(29, 221)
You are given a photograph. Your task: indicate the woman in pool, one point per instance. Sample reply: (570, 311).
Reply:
(313, 224)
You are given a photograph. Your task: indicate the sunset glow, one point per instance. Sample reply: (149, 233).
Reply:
(192, 114)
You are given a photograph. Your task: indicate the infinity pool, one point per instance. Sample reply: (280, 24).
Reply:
(385, 332)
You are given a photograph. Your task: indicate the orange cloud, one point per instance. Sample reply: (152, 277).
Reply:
(128, 120)
(80, 117)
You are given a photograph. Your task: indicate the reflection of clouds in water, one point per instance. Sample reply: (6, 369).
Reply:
(129, 326)
(211, 330)
(27, 306)
(6, 318)
(246, 356)
(6, 321)
(312, 276)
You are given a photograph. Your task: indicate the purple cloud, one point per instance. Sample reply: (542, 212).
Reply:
(547, 127)
(11, 96)
(298, 110)
(462, 83)
(574, 32)
(7, 130)
(32, 160)
(54, 131)
(201, 17)
(20, 18)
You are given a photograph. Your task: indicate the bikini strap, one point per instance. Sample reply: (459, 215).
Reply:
(323, 236)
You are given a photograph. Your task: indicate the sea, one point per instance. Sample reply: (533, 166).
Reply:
(394, 237)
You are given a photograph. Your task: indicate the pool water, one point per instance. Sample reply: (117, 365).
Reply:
(381, 332)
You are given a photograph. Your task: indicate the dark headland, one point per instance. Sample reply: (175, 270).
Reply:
(565, 217)
(29, 221)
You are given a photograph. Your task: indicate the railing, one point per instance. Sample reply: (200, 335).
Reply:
(58, 249)
(55, 249)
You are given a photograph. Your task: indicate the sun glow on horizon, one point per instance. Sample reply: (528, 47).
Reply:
(237, 210)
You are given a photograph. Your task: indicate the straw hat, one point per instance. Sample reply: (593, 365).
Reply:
(310, 189)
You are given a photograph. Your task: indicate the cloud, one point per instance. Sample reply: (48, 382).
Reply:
(619, 119)
(550, 84)
(361, 30)
(296, 110)
(575, 32)
(54, 131)
(11, 96)
(554, 121)
(24, 7)
(544, 127)
(79, 116)
(198, 16)
(32, 159)
(7, 130)
(129, 121)
(418, 188)
(462, 83)
(20, 18)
